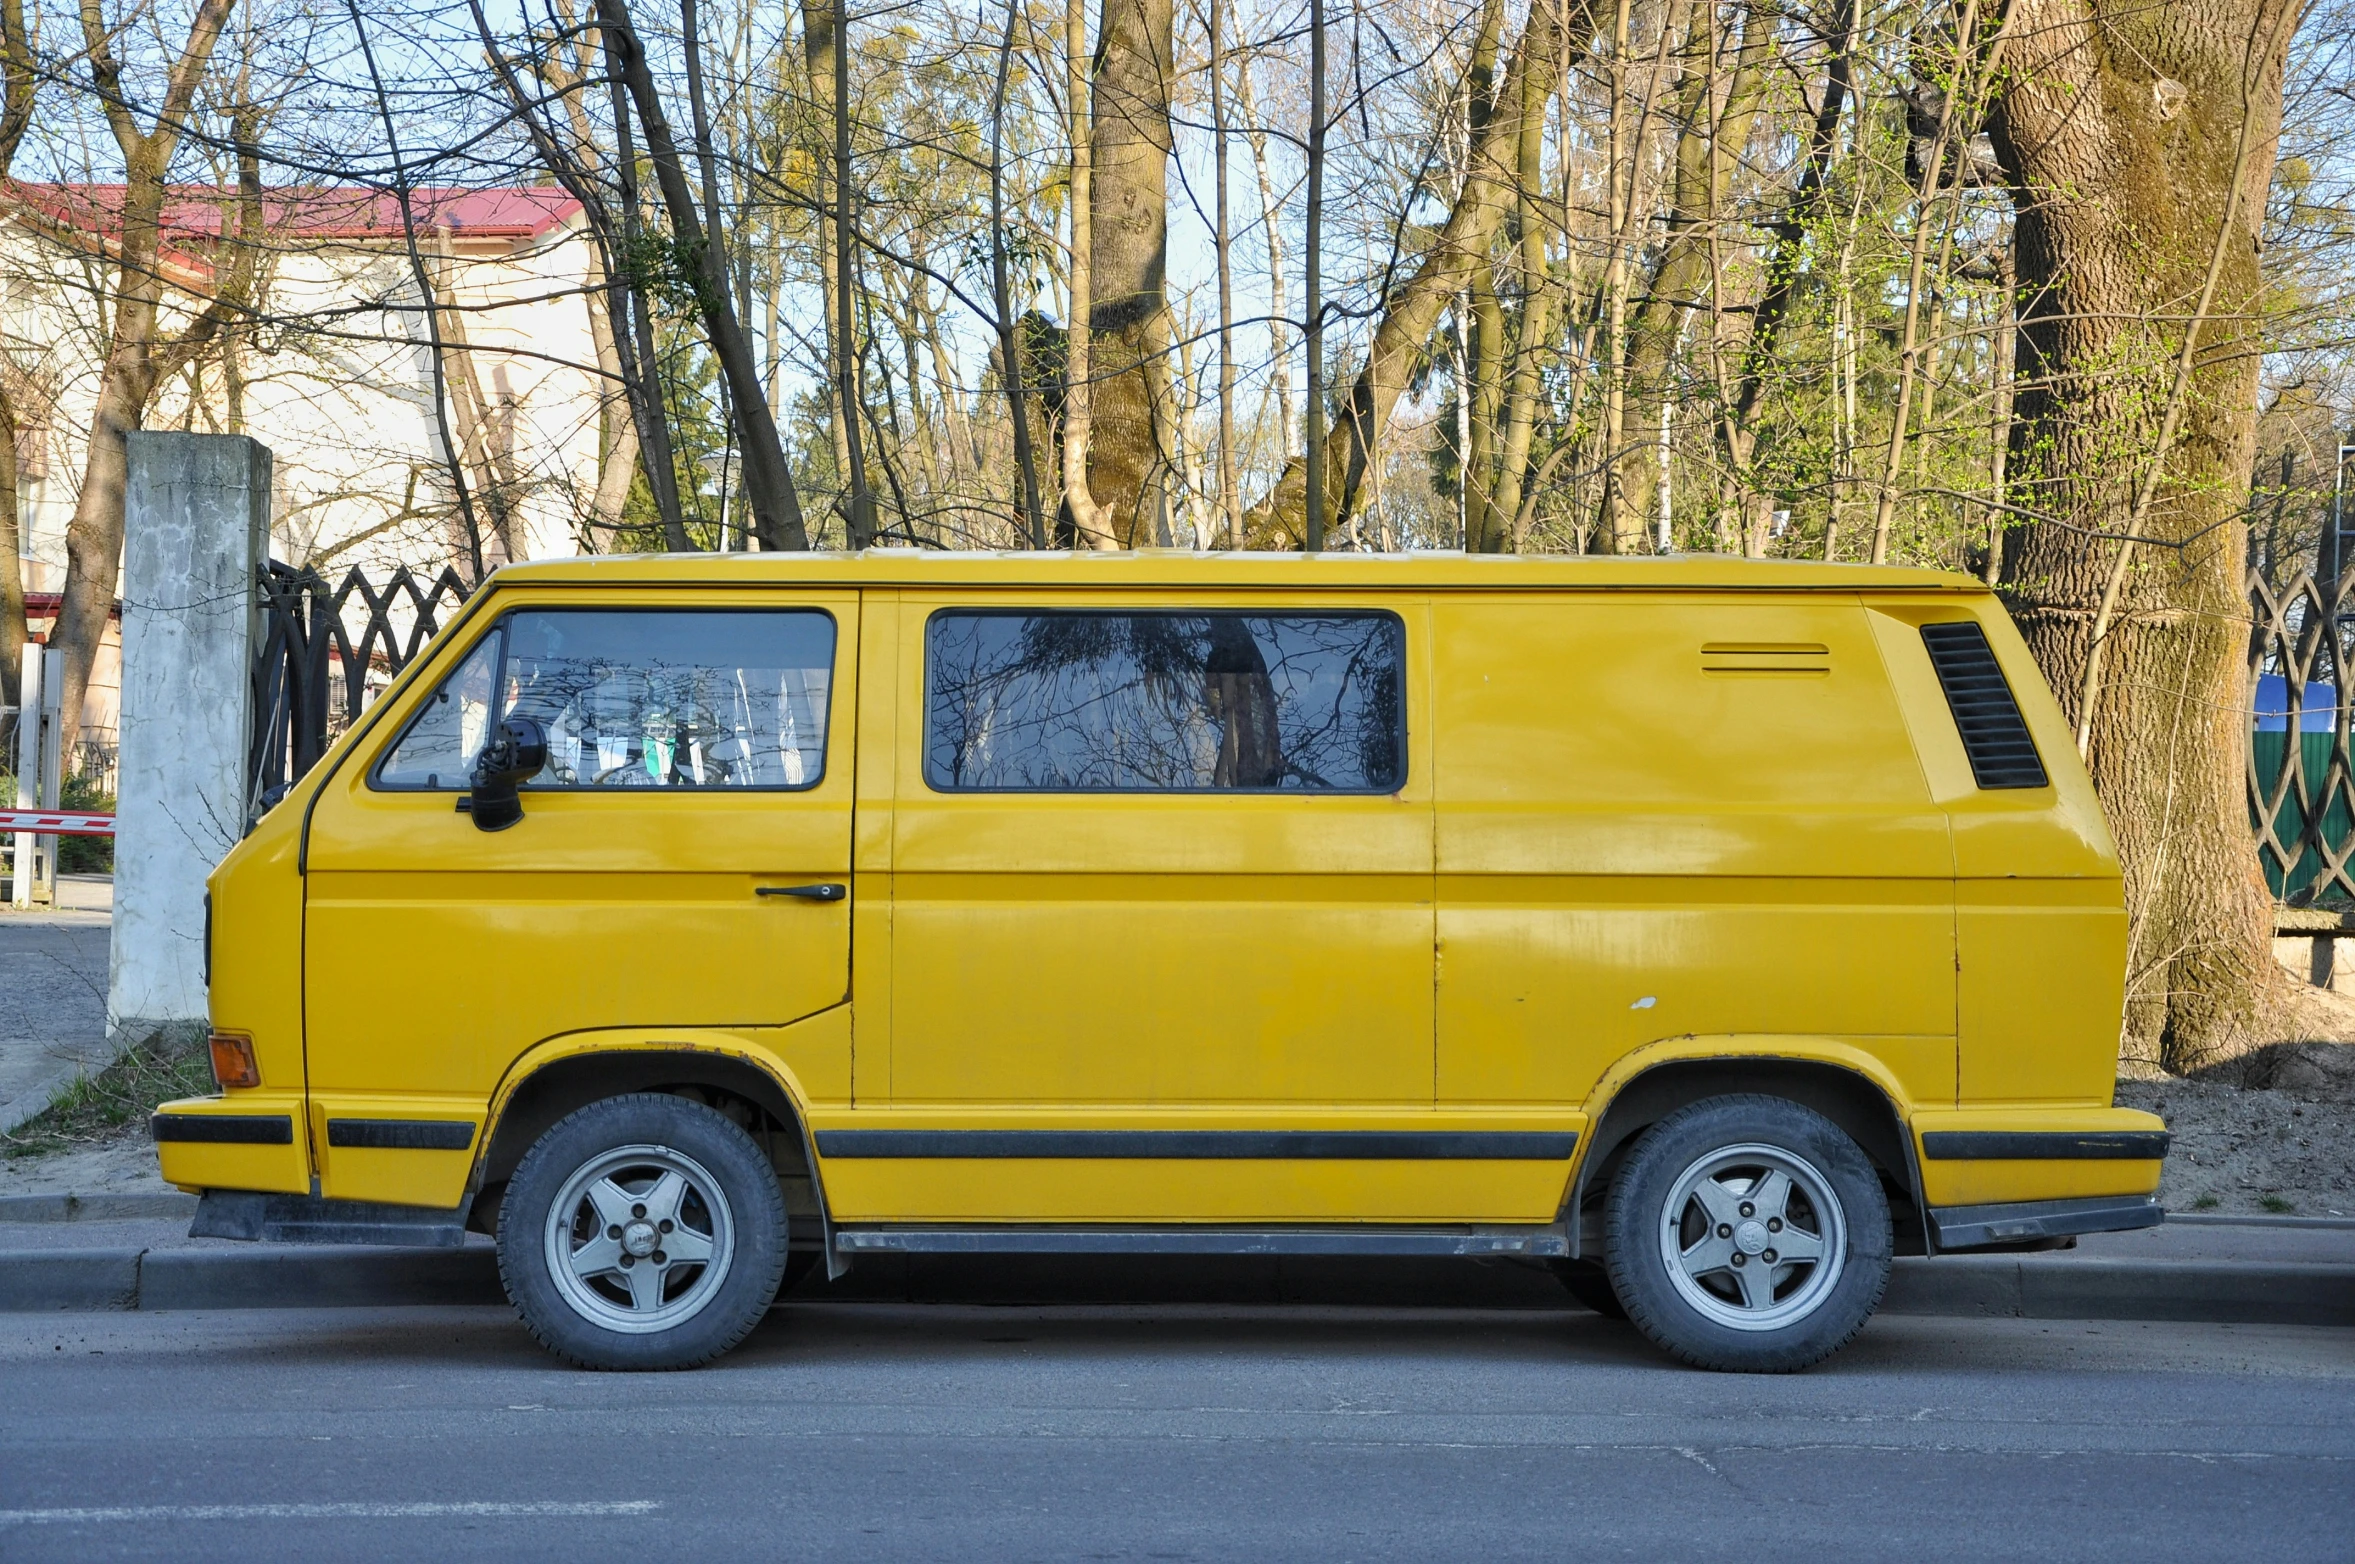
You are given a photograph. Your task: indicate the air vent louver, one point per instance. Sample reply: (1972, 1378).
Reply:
(1994, 734)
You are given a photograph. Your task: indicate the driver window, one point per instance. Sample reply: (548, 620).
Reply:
(638, 698)
(438, 750)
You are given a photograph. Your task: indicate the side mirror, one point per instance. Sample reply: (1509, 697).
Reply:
(518, 748)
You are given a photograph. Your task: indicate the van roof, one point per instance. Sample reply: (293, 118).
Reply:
(1185, 568)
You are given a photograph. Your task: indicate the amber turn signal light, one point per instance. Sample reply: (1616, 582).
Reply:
(233, 1063)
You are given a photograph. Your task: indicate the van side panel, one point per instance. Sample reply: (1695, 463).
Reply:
(2040, 921)
(1119, 950)
(1661, 816)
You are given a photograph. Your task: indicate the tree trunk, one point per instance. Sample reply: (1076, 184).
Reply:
(1015, 376)
(1128, 324)
(617, 431)
(1087, 524)
(1460, 248)
(2122, 131)
(12, 570)
(1525, 390)
(819, 38)
(1312, 285)
(1279, 358)
(768, 482)
(1709, 154)
(135, 360)
(19, 82)
(1230, 494)
(629, 414)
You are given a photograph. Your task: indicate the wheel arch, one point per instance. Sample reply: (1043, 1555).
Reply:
(1868, 1111)
(568, 1074)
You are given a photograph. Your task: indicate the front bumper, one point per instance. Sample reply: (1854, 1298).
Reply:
(253, 1140)
(1976, 1227)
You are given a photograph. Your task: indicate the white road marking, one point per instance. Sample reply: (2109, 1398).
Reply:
(318, 1512)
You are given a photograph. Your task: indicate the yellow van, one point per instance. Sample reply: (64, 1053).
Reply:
(1710, 930)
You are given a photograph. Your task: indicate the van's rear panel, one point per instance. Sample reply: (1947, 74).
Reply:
(1679, 816)
(2040, 923)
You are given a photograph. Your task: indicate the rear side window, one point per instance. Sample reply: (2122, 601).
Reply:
(1094, 702)
(1994, 734)
(637, 698)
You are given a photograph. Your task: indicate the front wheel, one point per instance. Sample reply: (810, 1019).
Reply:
(642, 1232)
(1748, 1233)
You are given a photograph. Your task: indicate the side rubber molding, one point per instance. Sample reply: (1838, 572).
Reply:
(309, 1219)
(1971, 1227)
(225, 1129)
(1207, 1145)
(402, 1134)
(2043, 1146)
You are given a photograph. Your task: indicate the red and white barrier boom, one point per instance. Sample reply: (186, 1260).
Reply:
(57, 822)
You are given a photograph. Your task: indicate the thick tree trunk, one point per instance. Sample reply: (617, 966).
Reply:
(1128, 325)
(2121, 130)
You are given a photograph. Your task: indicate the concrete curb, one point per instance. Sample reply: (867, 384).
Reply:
(2241, 1292)
(2310, 1224)
(1962, 1286)
(138, 1206)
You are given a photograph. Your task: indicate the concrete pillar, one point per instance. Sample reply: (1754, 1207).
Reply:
(195, 530)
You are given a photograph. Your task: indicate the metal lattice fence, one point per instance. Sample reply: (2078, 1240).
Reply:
(324, 653)
(2301, 776)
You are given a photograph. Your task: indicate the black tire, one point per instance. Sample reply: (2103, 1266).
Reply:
(1590, 1283)
(664, 1310)
(1762, 1312)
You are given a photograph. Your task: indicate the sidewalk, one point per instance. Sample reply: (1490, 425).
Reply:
(2278, 1271)
(53, 974)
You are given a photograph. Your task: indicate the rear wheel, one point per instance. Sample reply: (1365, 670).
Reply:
(642, 1232)
(1748, 1233)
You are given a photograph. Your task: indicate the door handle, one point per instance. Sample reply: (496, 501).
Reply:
(831, 890)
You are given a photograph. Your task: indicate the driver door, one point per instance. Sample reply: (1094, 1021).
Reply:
(698, 756)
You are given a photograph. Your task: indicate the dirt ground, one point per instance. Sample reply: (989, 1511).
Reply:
(2242, 1150)
(2272, 1133)
(121, 1166)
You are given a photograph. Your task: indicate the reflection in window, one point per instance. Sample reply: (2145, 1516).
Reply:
(438, 750)
(1151, 702)
(654, 698)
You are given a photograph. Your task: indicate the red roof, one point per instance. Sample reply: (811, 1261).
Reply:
(316, 211)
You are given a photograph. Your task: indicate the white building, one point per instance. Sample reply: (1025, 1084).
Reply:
(334, 372)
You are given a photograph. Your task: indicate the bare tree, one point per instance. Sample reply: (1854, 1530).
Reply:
(141, 353)
(20, 77)
(768, 482)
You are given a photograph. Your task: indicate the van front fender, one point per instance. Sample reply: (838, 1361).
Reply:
(782, 1069)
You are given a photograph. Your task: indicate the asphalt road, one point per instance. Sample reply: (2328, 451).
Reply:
(1216, 1433)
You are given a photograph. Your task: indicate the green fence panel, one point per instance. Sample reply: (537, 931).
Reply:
(2306, 879)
